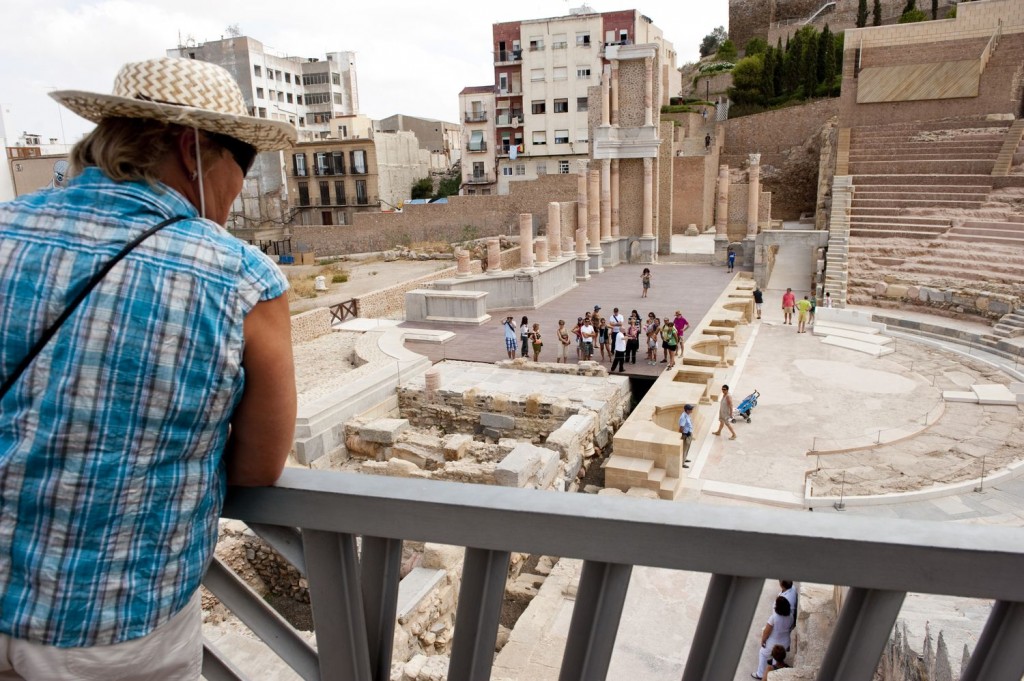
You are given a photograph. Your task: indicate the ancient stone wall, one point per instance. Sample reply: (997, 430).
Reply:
(462, 218)
(664, 180)
(310, 325)
(631, 196)
(749, 18)
(390, 301)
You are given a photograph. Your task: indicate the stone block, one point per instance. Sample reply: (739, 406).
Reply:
(401, 468)
(383, 431)
(897, 291)
(441, 556)
(492, 433)
(498, 421)
(548, 468)
(520, 466)
(997, 394)
(455, 446)
(999, 307)
(508, 444)
(880, 288)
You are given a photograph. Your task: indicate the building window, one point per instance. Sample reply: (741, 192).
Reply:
(478, 170)
(583, 72)
(338, 161)
(289, 98)
(287, 77)
(563, 167)
(263, 112)
(326, 218)
(561, 106)
(303, 193)
(560, 73)
(486, 191)
(336, 78)
(302, 121)
(520, 169)
(536, 43)
(298, 99)
(561, 136)
(314, 79)
(313, 98)
(470, 192)
(358, 162)
(257, 71)
(581, 104)
(278, 74)
(476, 141)
(361, 198)
(582, 135)
(583, 39)
(299, 165)
(542, 167)
(539, 138)
(337, 98)
(536, 75)
(558, 42)
(259, 93)
(322, 163)
(506, 142)
(538, 107)
(270, 74)
(325, 193)
(339, 192)
(280, 96)
(507, 171)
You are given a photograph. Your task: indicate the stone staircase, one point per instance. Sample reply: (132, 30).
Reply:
(1010, 325)
(1012, 146)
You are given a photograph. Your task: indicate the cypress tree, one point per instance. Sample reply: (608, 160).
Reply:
(830, 63)
(911, 6)
(768, 76)
(779, 70)
(935, 9)
(876, 14)
(825, 42)
(809, 70)
(862, 13)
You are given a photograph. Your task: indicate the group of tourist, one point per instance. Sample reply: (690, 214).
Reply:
(805, 308)
(615, 338)
(775, 636)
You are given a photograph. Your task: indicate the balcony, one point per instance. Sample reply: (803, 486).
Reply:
(476, 147)
(480, 178)
(366, 201)
(475, 117)
(507, 57)
(314, 519)
(505, 118)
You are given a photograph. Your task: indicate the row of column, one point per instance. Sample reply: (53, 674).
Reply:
(753, 198)
(610, 93)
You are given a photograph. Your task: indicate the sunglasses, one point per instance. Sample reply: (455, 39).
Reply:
(244, 154)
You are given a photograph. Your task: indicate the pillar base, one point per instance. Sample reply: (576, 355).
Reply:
(496, 272)
(582, 268)
(610, 253)
(749, 249)
(648, 249)
(596, 261)
(721, 255)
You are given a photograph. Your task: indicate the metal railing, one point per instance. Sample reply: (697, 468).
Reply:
(313, 519)
(476, 116)
(502, 56)
(476, 146)
(477, 178)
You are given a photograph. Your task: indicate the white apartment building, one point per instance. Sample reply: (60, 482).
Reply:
(543, 69)
(479, 161)
(306, 91)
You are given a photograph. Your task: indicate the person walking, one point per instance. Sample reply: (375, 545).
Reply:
(620, 352)
(725, 409)
(758, 300)
(788, 304)
(814, 308)
(524, 335)
(670, 341)
(172, 378)
(707, 141)
(510, 337)
(686, 432)
(681, 326)
(632, 339)
(776, 632)
(563, 343)
(828, 300)
(731, 260)
(536, 343)
(803, 310)
(645, 279)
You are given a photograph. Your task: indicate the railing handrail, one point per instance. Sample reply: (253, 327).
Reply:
(898, 555)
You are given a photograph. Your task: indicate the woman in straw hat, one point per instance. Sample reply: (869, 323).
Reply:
(130, 317)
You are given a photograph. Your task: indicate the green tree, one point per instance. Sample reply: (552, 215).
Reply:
(910, 6)
(777, 76)
(829, 76)
(755, 46)
(709, 45)
(746, 81)
(449, 186)
(913, 16)
(825, 49)
(809, 66)
(768, 75)
(935, 9)
(727, 51)
(876, 13)
(862, 13)
(422, 189)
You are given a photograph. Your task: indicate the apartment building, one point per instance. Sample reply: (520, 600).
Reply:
(479, 161)
(355, 169)
(543, 70)
(308, 92)
(442, 139)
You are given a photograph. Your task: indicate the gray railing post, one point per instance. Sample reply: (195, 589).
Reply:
(999, 653)
(860, 634)
(595, 620)
(722, 629)
(476, 620)
(380, 570)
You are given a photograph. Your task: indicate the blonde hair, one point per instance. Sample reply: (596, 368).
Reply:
(132, 149)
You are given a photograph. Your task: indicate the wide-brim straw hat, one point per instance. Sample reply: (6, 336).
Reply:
(182, 91)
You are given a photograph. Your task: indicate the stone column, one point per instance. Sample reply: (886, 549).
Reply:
(649, 91)
(594, 211)
(462, 262)
(581, 195)
(616, 226)
(754, 196)
(555, 230)
(648, 197)
(526, 240)
(494, 255)
(606, 200)
(540, 250)
(581, 243)
(606, 103)
(615, 92)
(722, 214)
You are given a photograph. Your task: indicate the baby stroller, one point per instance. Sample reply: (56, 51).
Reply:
(746, 406)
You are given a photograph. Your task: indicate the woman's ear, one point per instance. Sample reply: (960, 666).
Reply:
(187, 152)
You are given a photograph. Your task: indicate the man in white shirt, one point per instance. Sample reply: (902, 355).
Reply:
(686, 431)
(589, 335)
(789, 593)
(616, 321)
(620, 353)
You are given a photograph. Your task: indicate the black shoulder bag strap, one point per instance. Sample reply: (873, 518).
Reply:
(73, 305)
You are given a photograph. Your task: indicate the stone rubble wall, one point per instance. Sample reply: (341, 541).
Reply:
(952, 300)
(311, 325)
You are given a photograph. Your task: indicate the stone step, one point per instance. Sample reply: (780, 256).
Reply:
(987, 239)
(857, 227)
(894, 234)
(919, 195)
(896, 214)
(906, 155)
(912, 203)
(943, 178)
(949, 165)
(961, 188)
(993, 230)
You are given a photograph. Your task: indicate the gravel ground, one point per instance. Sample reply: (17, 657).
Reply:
(321, 364)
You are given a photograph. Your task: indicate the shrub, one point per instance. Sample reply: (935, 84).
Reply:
(755, 46)
(913, 16)
(727, 51)
(339, 278)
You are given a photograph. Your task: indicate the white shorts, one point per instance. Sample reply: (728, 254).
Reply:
(174, 650)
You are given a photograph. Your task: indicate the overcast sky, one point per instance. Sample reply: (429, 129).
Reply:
(412, 57)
